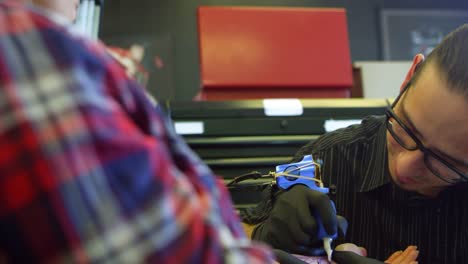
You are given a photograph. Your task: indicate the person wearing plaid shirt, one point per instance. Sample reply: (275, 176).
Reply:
(91, 170)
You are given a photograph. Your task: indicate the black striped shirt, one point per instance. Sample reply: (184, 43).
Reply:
(382, 217)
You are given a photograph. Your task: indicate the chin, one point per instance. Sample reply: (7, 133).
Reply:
(422, 189)
(409, 187)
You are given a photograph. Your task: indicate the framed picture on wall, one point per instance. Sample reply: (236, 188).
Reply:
(406, 32)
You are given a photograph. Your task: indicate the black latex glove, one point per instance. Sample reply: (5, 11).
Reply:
(291, 225)
(286, 258)
(348, 257)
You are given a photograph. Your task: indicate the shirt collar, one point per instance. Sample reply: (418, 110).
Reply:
(381, 174)
(54, 16)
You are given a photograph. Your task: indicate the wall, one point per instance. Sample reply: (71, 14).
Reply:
(382, 79)
(174, 23)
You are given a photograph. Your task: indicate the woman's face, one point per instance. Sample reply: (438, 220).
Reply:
(67, 8)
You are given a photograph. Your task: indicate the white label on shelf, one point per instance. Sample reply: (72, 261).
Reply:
(283, 107)
(189, 128)
(331, 125)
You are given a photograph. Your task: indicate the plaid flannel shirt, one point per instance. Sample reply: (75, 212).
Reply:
(90, 170)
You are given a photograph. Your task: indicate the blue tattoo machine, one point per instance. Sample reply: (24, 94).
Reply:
(306, 172)
(302, 172)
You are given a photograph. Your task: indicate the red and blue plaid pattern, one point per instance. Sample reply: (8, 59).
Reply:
(90, 170)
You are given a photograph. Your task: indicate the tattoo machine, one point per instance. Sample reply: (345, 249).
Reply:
(306, 172)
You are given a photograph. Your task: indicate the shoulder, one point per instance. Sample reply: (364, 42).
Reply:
(31, 40)
(40, 31)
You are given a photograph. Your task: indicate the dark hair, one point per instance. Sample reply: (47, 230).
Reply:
(451, 59)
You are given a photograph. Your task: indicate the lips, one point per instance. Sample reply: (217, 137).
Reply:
(405, 180)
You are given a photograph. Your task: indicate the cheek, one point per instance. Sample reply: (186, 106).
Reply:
(391, 154)
(391, 142)
(393, 148)
(432, 180)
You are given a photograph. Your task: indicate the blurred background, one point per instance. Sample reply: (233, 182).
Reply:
(221, 67)
(170, 26)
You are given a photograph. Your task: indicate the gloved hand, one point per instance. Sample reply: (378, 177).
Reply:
(286, 258)
(291, 225)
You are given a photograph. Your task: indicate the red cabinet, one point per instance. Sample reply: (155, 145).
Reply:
(271, 52)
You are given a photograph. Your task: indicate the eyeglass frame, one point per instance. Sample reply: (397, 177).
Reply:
(419, 145)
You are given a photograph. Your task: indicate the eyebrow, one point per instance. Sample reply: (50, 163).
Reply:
(420, 136)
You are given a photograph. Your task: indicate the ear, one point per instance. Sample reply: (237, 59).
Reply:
(416, 61)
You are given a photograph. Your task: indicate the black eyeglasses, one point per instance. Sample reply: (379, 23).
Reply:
(441, 168)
